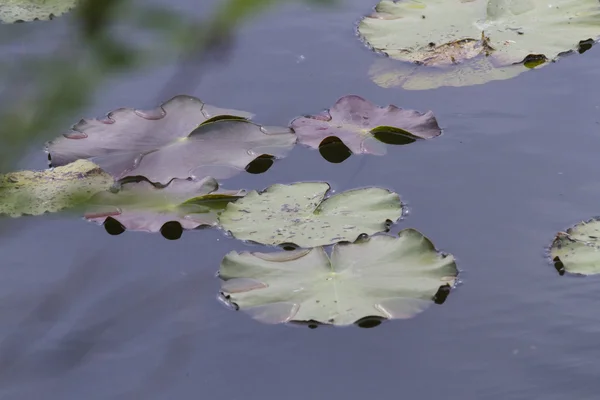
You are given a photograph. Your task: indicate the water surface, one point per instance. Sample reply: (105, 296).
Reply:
(85, 315)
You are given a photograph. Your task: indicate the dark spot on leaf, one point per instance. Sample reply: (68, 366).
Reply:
(442, 294)
(261, 164)
(395, 136)
(334, 150)
(534, 60)
(585, 45)
(171, 230)
(288, 246)
(113, 227)
(559, 266)
(369, 322)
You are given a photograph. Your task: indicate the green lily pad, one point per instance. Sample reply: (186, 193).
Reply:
(141, 206)
(301, 214)
(359, 124)
(478, 35)
(38, 192)
(128, 132)
(30, 10)
(578, 249)
(379, 278)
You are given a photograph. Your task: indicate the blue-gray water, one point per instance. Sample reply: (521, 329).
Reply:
(84, 315)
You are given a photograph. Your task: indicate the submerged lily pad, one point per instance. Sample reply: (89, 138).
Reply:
(300, 214)
(38, 192)
(141, 206)
(362, 126)
(30, 10)
(129, 132)
(389, 73)
(382, 277)
(578, 249)
(478, 35)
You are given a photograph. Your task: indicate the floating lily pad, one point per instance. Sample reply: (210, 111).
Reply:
(478, 35)
(362, 126)
(219, 149)
(38, 192)
(30, 10)
(141, 206)
(184, 138)
(301, 214)
(379, 278)
(578, 249)
(128, 133)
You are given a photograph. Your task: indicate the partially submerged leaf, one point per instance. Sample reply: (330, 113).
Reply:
(355, 121)
(129, 133)
(184, 138)
(219, 149)
(140, 206)
(38, 192)
(461, 34)
(389, 73)
(382, 277)
(30, 10)
(300, 214)
(578, 249)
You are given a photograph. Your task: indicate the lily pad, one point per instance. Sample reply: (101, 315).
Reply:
(30, 10)
(141, 206)
(301, 214)
(389, 73)
(379, 278)
(362, 126)
(480, 35)
(38, 192)
(219, 149)
(129, 132)
(184, 138)
(578, 249)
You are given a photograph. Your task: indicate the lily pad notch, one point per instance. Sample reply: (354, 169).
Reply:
(362, 127)
(363, 283)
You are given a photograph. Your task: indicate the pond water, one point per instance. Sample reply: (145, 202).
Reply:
(85, 315)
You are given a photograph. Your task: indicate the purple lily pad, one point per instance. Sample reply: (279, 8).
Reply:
(129, 132)
(141, 206)
(363, 126)
(218, 149)
(184, 138)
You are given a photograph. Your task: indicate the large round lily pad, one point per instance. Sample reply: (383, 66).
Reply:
(38, 192)
(383, 277)
(129, 132)
(141, 206)
(30, 10)
(479, 35)
(358, 122)
(578, 249)
(301, 214)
